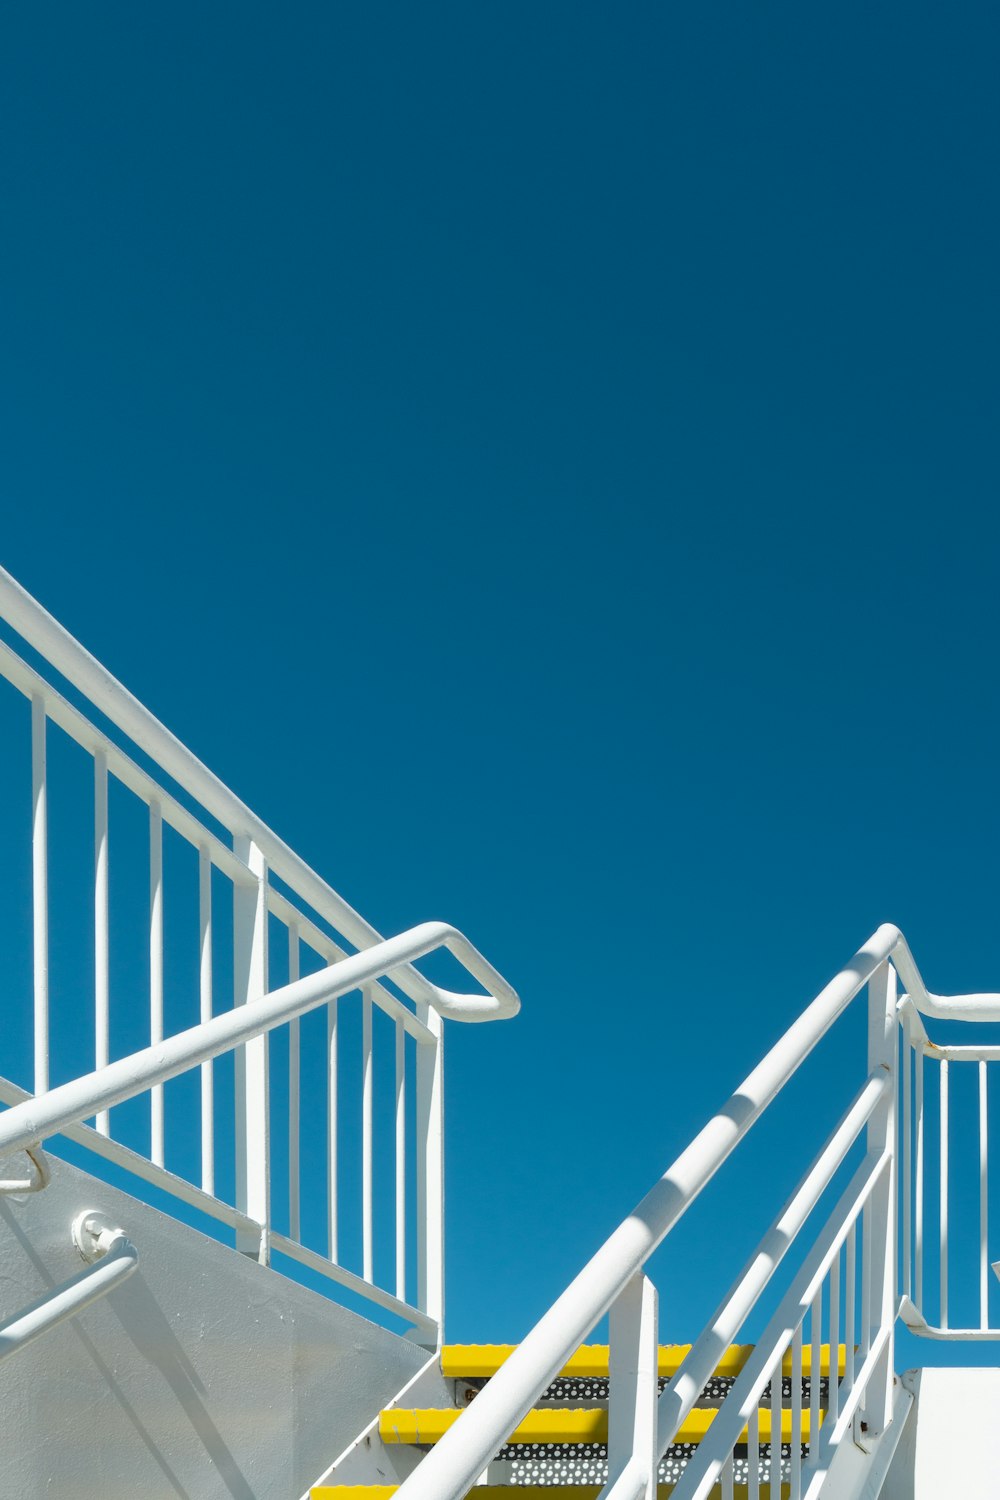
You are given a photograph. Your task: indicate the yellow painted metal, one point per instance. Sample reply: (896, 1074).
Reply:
(561, 1425)
(520, 1492)
(480, 1361)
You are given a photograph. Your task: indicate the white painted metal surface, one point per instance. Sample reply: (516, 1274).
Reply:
(111, 1258)
(860, 1402)
(200, 1376)
(951, 1443)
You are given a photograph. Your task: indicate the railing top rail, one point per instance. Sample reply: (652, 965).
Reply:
(984, 1007)
(44, 633)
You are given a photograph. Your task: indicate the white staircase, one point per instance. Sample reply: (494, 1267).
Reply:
(168, 1385)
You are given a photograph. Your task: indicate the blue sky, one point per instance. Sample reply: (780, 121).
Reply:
(545, 460)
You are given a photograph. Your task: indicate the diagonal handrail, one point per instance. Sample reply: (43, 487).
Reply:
(454, 1464)
(32, 1121)
(118, 1259)
(36, 626)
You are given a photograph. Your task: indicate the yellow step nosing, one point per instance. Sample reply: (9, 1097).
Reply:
(520, 1492)
(479, 1361)
(423, 1427)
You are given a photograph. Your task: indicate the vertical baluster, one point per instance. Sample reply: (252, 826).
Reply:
(753, 1455)
(205, 1014)
(944, 1192)
(156, 972)
(908, 1061)
(834, 1376)
(850, 1306)
(777, 1407)
(984, 1286)
(430, 1168)
(875, 1413)
(400, 1161)
(728, 1487)
(250, 976)
(366, 1137)
(865, 1339)
(815, 1366)
(331, 1147)
(40, 891)
(102, 1017)
(294, 1106)
(918, 1185)
(795, 1455)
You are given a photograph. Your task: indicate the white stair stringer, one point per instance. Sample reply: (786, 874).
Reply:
(857, 1473)
(369, 1461)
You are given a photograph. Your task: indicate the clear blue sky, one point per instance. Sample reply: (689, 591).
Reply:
(545, 460)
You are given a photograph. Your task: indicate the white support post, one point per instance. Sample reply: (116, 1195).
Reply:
(40, 892)
(634, 1389)
(875, 1412)
(205, 1006)
(400, 1161)
(430, 1170)
(102, 1020)
(156, 1117)
(294, 1108)
(253, 1176)
(367, 1236)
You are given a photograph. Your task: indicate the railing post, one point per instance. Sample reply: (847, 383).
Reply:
(633, 1389)
(253, 1174)
(40, 891)
(880, 1293)
(430, 1170)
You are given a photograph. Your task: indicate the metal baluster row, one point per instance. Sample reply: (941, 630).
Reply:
(368, 1004)
(247, 872)
(914, 1151)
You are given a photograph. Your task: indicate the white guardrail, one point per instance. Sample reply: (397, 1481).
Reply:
(321, 928)
(845, 1293)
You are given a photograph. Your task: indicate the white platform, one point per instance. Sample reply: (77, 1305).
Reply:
(951, 1445)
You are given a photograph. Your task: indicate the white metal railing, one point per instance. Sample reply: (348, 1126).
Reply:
(958, 1068)
(327, 951)
(845, 1296)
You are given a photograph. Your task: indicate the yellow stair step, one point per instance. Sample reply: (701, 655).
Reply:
(478, 1361)
(561, 1425)
(520, 1492)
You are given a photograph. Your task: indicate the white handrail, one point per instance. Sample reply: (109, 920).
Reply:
(115, 1266)
(28, 1123)
(462, 1454)
(776, 1337)
(41, 1174)
(112, 698)
(699, 1364)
